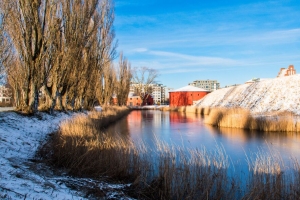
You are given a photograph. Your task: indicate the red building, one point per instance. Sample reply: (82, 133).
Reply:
(287, 72)
(186, 96)
(135, 100)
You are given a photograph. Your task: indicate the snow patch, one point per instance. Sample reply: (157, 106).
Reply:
(279, 94)
(21, 177)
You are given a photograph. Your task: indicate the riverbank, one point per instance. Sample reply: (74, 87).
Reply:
(91, 157)
(266, 105)
(275, 121)
(20, 174)
(23, 175)
(165, 171)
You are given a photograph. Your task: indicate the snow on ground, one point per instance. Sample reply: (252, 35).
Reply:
(278, 94)
(6, 108)
(21, 177)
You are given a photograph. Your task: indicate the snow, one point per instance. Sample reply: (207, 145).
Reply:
(20, 138)
(21, 176)
(6, 108)
(189, 88)
(278, 94)
(98, 108)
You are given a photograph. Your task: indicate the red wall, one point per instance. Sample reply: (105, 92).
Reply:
(185, 98)
(137, 101)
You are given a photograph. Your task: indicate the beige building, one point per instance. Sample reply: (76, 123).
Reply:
(158, 92)
(210, 85)
(5, 95)
(287, 71)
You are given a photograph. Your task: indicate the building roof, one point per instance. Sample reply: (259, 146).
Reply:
(190, 88)
(253, 80)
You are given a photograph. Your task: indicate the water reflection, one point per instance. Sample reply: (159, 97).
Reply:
(188, 130)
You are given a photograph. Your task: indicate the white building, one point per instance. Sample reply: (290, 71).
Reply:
(5, 95)
(158, 92)
(210, 85)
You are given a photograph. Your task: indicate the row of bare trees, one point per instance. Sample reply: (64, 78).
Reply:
(61, 54)
(4, 56)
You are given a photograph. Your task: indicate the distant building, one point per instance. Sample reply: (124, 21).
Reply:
(287, 71)
(254, 80)
(167, 97)
(135, 100)
(186, 96)
(210, 85)
(234, 85)
(6, 96)
(158, 92)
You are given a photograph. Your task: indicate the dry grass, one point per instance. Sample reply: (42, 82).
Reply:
(188, 109)
(169, 108)
(166, 171)
(241, 118)
(83, 149)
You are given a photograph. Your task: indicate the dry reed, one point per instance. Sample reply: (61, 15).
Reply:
(165, 172)
(242, 118)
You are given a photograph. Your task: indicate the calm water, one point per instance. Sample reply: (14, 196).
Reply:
(188, 130)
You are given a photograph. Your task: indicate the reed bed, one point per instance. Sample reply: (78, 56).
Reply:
(189, 109)
(166, 171)
(242, 118)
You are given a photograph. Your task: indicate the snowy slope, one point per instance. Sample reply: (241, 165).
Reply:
(20, 137)
(21, 177)
(278, 94)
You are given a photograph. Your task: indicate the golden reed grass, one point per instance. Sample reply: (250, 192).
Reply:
(80, 146)
(188, 109)
(242, 118)
(166, 171)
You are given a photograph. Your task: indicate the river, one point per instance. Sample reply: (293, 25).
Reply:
(189, 130)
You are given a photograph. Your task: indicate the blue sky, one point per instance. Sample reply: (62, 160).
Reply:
(230, 41)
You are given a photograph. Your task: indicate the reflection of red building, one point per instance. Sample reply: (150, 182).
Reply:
(186, 96)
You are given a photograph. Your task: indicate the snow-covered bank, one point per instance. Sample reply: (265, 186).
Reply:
(278, 94)
(21, 177)
(20, 137)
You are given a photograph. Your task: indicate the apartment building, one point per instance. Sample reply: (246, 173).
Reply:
(210, 85)
(5, 94)
(158, 92)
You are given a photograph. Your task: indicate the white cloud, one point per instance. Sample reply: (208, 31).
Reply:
(186, 60)
(139, 50)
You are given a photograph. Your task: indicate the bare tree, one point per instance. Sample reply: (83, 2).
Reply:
(63, 48)
(16, 79)
(5, 54)
(124, 76)
(142, 80)
(28, 25)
